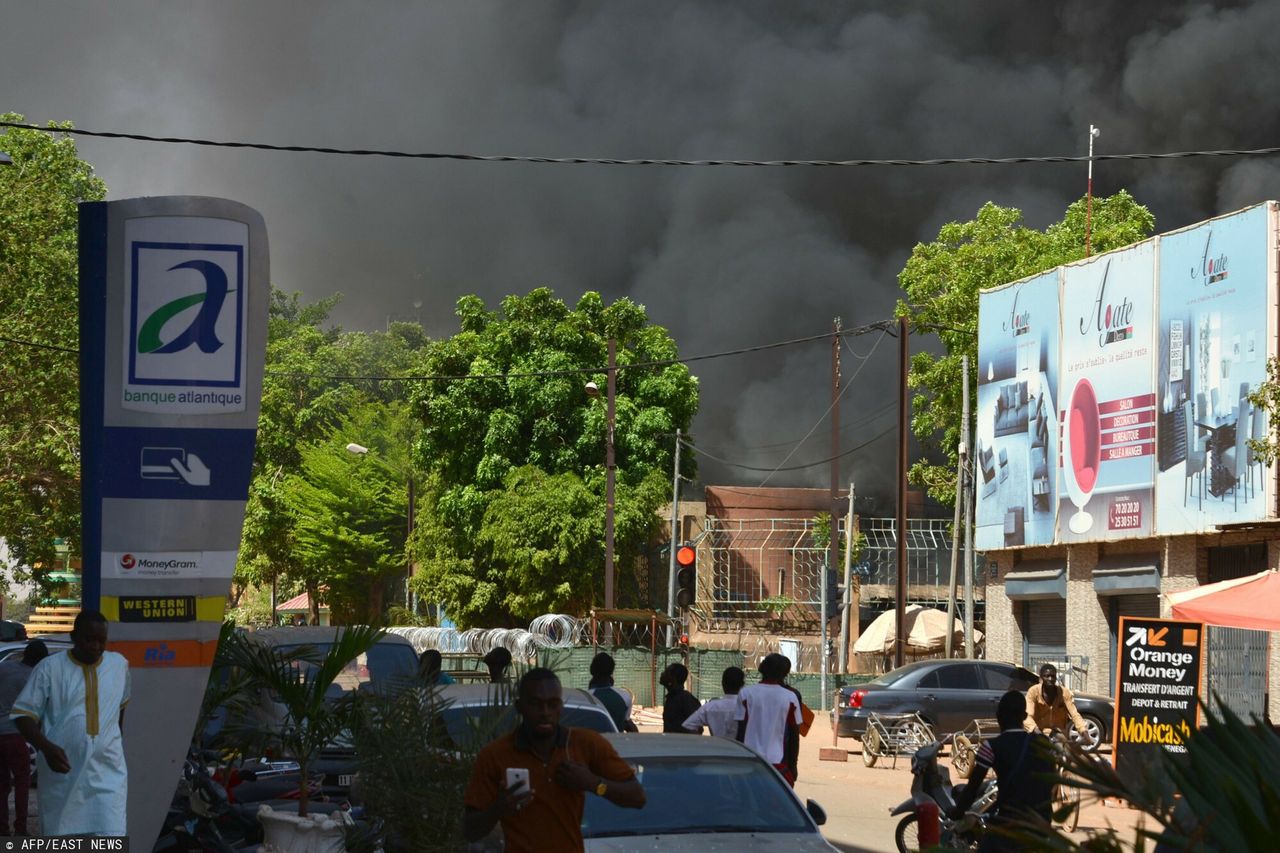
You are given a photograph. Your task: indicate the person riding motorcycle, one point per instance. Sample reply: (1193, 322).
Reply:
(1051, 707)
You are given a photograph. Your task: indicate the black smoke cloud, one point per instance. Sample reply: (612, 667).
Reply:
(724, 257)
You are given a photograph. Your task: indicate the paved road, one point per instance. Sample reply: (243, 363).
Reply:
(857, 798)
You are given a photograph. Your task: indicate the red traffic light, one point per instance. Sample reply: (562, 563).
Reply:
(686, 556)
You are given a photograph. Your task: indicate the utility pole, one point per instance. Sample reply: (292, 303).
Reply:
(970, 482)
(900, 646)
(833, 543)
(1088, 204)
(850, 542)
(611, 389)
(961, 495)
(675, 542)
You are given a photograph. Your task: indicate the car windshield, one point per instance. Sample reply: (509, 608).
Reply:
(382, 663)
(696, 794)
(472, 726)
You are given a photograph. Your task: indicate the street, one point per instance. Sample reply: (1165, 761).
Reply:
(857, 799)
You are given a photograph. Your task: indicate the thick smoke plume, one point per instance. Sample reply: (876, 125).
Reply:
(724, 257)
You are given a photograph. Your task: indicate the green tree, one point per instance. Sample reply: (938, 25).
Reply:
(303, 404)
(349, 516)
(942, 280)
(39, 339)
(511, 520)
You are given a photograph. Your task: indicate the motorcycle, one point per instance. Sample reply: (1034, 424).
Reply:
(202, 817)
(931, 782)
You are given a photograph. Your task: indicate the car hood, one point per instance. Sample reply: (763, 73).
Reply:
(718, 842)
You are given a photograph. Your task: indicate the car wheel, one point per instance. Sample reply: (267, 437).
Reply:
(1094, 726)
(907, 835)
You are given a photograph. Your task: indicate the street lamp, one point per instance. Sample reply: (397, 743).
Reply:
(593, 391)
(410, 597)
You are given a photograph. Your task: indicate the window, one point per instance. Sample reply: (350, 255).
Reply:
(958, 676)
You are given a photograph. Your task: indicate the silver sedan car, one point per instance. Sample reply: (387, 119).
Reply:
(704, 794)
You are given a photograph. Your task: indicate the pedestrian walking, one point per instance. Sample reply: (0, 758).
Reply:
(71, 710)
(680, 703)
(15, 760)
(769, 715)
(534, 780)
(720, 715)
(615, 701)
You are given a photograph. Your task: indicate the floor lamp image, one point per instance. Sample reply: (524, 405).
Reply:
(1083, 452)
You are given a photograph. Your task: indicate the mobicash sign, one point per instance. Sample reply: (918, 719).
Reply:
(1157, 691)
(173, 322)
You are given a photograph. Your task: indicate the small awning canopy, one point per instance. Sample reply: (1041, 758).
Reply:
(1127, 574)
(1034, 580)
(1251, 602)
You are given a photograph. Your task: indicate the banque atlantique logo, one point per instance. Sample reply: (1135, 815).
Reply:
(202, 331)
(185, 327)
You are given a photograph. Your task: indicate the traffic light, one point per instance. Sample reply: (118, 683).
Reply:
(686, 574)
(835, 595)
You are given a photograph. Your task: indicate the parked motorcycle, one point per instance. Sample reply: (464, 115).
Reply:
(931, 782)
(202, 818)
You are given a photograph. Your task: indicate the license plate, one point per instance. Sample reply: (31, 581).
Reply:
(344, 781)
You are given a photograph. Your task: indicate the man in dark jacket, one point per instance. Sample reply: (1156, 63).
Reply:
(680, 703)
(1023, 762)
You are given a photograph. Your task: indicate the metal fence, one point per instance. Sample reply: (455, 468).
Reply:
(754, 563)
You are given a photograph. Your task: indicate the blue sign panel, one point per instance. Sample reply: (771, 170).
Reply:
(177, 464)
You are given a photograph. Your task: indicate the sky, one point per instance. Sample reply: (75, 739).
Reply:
(723, 257)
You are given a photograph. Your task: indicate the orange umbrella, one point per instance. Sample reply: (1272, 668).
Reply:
(1252, 602)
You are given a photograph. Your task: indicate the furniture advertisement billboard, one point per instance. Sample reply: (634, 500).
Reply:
(1146, 356)
(1017, 437)
(1213, 354)
(1106, 402)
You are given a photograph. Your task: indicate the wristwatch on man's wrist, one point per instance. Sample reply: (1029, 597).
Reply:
(601, 787)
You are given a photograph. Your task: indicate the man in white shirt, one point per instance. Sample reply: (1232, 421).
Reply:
(767, 713)
(720, 715)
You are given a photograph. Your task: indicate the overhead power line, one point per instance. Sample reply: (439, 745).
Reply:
(609, 161)
(879, 325)
(814, 464)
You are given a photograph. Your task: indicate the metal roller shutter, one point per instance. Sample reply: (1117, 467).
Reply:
(1126, 605)
(1045, 624)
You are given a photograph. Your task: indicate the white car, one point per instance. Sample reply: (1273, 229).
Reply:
(705, 794)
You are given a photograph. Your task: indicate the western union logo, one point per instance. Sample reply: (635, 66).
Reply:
(163, 608)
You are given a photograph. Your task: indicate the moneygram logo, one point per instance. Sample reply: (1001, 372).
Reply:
(164, 564)
(127, 561)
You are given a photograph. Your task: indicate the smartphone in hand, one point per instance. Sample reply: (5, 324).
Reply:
(518, 776)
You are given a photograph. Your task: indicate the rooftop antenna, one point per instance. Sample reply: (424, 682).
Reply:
(1088, 204)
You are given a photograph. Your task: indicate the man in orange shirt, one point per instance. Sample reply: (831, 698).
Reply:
(562, 765)
(1050, 706)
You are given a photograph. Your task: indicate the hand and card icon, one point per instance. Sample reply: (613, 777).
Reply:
(173, 463)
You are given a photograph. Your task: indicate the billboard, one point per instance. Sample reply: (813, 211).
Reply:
(1145, 356)
(1016, 439)
(1213, 353)
(174, 293)
(1106, 404)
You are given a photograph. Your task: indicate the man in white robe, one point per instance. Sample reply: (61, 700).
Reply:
(71, 711)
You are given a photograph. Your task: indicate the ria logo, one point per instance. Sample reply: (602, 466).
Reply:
(202, 330)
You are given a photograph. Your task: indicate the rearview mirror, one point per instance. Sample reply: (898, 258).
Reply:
(816, 812)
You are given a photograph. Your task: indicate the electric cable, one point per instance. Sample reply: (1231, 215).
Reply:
(814, 464)
(835, 402)
(609, 161)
